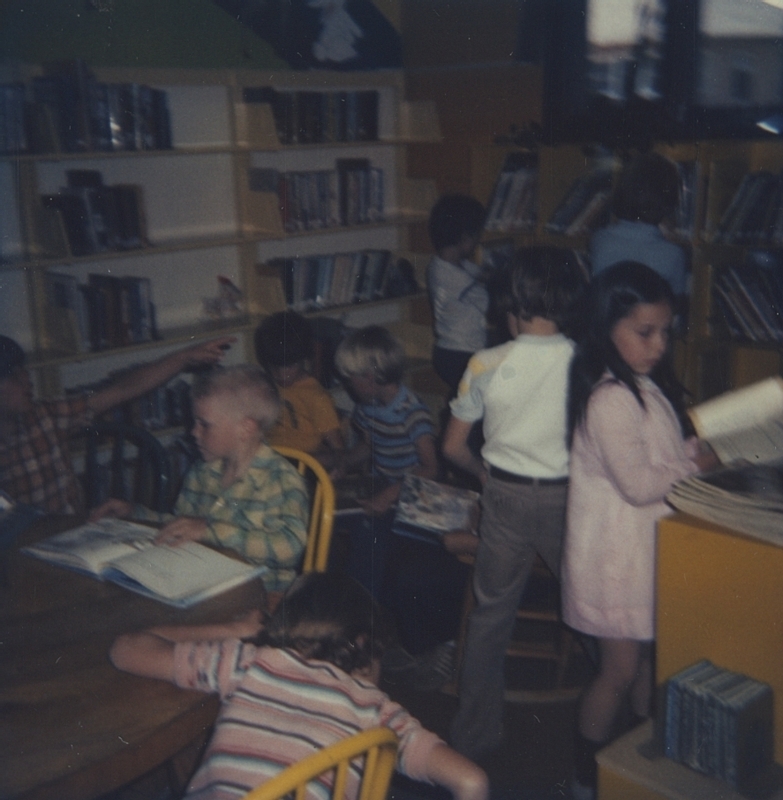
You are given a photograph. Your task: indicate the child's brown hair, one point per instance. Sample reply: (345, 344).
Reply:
(328, 617)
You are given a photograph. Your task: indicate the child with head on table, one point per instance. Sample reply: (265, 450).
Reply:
(305, 681)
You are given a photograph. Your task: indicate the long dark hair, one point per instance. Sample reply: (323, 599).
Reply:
(328, 617)
(612, 296)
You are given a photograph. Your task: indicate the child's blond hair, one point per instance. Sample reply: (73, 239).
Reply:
(371, 351)
(249, 392)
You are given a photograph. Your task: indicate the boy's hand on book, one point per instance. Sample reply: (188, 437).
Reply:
(181, 530)
(461, 543)
(111, 508)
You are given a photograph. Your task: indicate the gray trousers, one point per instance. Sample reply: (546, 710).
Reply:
(517, 521)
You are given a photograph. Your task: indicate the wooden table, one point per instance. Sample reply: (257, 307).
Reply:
(72, 726)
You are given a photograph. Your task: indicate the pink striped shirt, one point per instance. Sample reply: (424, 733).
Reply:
(279, 708)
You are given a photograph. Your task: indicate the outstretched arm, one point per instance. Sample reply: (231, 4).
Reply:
(145, 378)
(150, 653)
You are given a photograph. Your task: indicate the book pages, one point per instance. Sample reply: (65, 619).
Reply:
(741, 410)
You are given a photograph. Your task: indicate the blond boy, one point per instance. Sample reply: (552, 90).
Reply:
(243, 496)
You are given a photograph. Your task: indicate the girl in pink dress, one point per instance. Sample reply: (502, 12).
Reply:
(628, 430)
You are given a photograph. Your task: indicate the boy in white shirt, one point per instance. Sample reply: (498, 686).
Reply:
(519, 389)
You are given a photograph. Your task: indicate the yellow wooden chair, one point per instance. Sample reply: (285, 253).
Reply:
(319, 534)
(377, 745)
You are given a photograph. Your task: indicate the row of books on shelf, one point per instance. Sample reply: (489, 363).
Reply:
(309, 117)
(749, 301)
(107, 311)
(719, 722)
(586, 205)
(334, 279)
(755, 214)
(97, 218)
(350, 194)
(68, 110)
(167, 406)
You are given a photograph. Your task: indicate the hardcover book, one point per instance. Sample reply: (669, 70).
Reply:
(125, 553)
(428, 509)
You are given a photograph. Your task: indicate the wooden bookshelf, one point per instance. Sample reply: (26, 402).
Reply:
(202, 218)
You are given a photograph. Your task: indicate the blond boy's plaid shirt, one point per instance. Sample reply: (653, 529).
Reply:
(262, 516)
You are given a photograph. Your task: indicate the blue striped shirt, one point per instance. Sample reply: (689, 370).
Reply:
(392, 431)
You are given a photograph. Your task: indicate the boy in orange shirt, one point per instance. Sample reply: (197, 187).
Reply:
(308, 420)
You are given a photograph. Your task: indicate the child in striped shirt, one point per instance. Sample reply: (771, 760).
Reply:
(304, 682)
(419, 583)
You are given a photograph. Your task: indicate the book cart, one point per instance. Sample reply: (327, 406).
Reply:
(731, 205)
(719, 597)
(210, 219)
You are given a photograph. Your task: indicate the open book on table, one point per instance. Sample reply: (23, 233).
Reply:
(745, 424)
(125, 553)
(428, 509)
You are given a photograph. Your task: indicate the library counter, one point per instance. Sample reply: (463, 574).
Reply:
(71, 725)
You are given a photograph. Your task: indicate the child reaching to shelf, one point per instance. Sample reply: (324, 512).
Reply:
(456, 285)
(628, 430)
(646, 197)
(518, 390)
(35, 464)
(303, 682)
(243, 496)
(308, 419)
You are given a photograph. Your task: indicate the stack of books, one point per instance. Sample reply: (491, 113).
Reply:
(719, 722)
(97, 218)
(755, 214)
(749, 301)
(585, 206)
(514, 200)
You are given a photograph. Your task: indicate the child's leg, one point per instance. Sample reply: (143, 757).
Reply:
(503, 562)
(625, 665)
(622, 668)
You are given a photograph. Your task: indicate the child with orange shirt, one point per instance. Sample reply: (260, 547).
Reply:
(308, 420)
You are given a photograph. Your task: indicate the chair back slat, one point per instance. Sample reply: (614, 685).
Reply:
(377, 745)
(322, 499)
(152, 471)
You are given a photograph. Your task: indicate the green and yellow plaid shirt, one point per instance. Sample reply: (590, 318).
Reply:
(262, 516)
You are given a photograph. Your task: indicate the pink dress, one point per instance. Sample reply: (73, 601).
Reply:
(624, 459)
